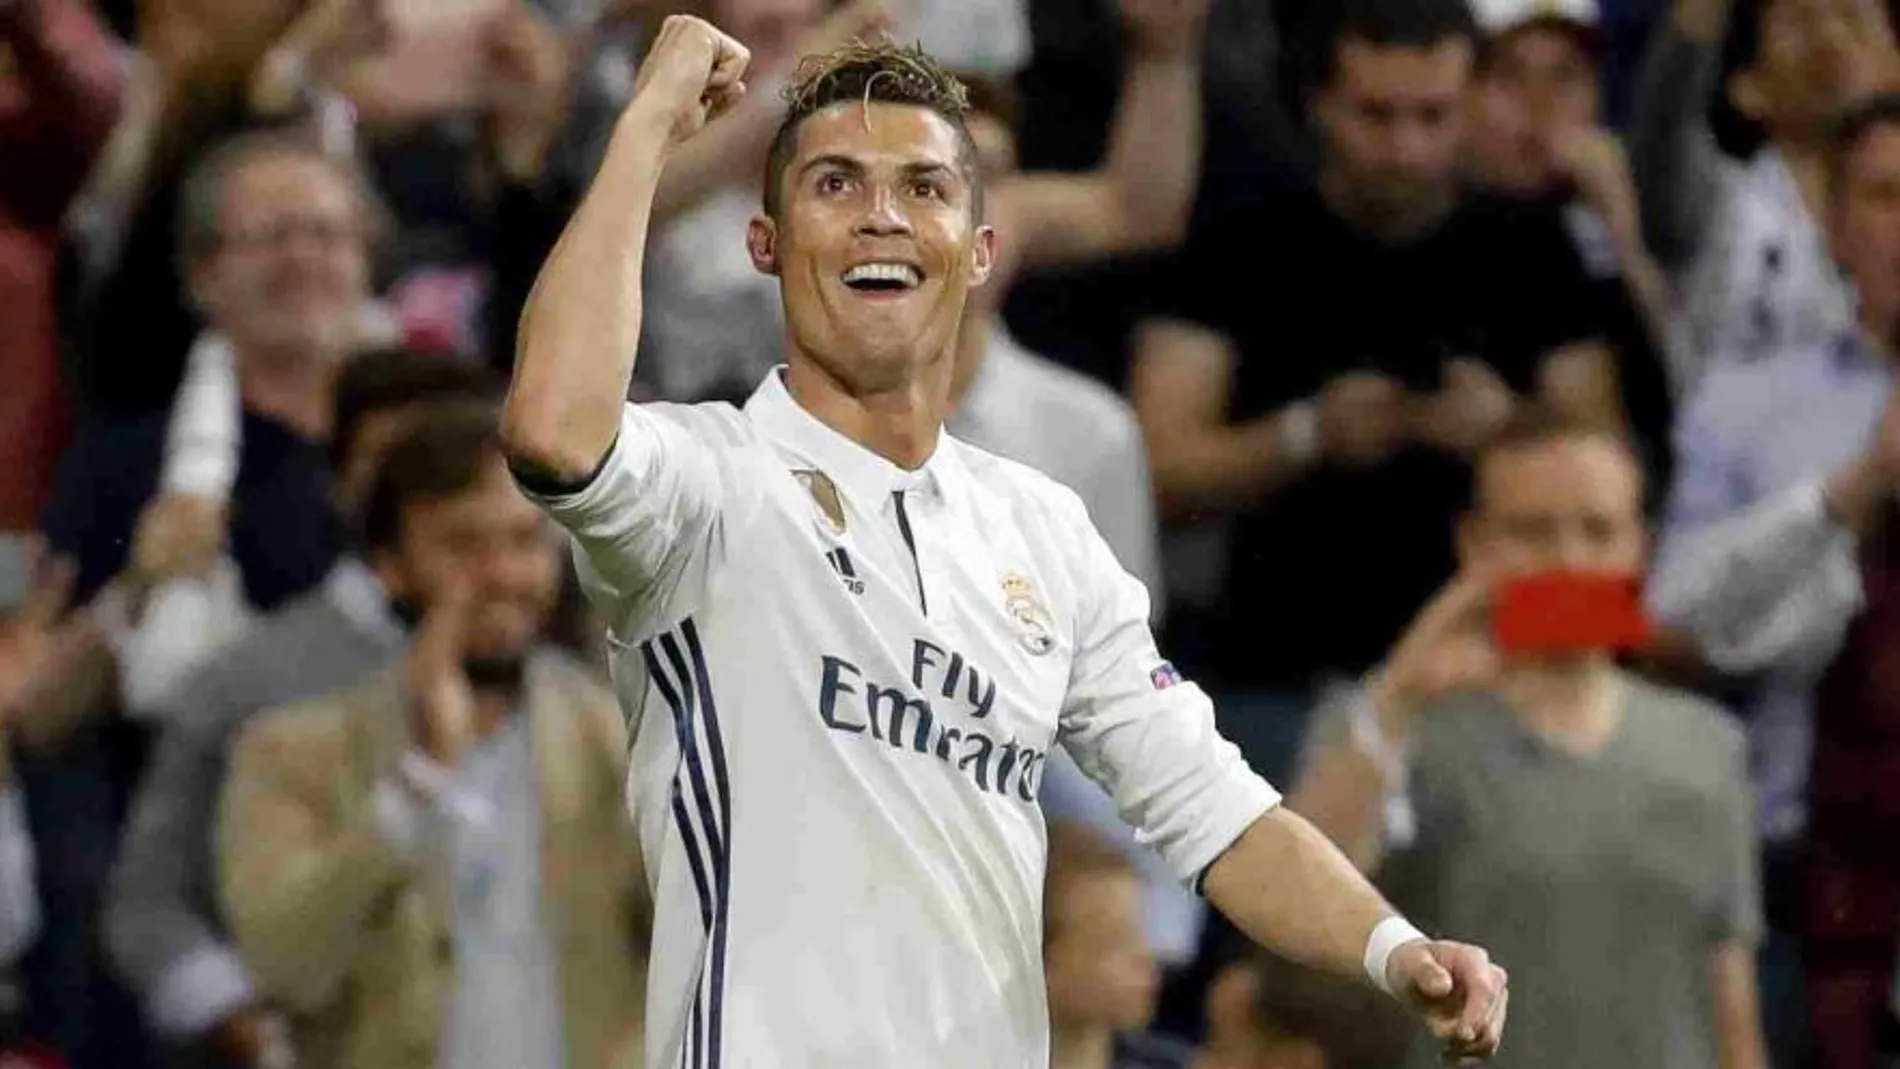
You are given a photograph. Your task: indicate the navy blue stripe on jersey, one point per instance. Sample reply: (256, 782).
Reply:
(676, 663)
(702, 863)
(715, 743)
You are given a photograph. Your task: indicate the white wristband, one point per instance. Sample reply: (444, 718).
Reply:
(1387, 936)
(1299, 430)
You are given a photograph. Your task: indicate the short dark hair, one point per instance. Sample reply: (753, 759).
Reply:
(1536, 423)
(1854, 124)
(450, 447)
(382, 380)
(1385, 24)
(1077, 852)
(871, 72)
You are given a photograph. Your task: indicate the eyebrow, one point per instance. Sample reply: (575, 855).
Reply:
(925, 169)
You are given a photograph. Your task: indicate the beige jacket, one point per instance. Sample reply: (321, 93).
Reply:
(353, 940)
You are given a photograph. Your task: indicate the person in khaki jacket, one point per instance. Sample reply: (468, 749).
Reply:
(436, 868)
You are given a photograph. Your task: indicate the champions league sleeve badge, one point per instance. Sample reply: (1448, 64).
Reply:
(1035, 628)
(824, 495)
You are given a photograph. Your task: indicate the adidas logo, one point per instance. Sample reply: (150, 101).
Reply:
(841, 563)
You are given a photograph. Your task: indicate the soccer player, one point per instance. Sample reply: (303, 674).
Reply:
(845, 641)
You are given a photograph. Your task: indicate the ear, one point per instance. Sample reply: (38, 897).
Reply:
(1746, 93)
(982, 255)
(761, 242)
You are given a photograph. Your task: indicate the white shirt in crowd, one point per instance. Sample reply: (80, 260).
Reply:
(1764, 284)
(843, 680)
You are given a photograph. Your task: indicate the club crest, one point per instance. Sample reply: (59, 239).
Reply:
(1035, 629)
(824, 495)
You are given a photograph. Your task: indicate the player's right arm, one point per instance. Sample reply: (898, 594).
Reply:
(581, 325)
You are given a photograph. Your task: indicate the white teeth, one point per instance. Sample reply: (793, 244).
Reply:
(883, 272)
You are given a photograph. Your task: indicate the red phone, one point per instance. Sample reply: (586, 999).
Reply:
(1570, 612)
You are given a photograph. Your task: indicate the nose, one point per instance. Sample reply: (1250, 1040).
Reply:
(884, 216)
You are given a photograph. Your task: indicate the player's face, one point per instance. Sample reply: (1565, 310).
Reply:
(496, 541)
(877, 245)
(1573, 503)
(1098, 966)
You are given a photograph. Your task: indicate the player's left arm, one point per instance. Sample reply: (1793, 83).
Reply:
(1149, 739)
(1143, 194)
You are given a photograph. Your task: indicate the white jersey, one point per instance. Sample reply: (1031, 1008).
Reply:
(842, 680)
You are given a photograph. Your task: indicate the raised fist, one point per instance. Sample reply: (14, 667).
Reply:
(691, 74)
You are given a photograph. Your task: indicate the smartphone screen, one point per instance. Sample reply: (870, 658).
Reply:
(1570, 612)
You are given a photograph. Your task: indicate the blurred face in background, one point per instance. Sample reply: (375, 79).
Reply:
(375, 433)
(288, 273)
(1867, 226)
(492, 538)
(1392, 120)
(1814, 57)
(1573, 502)
(770, 28)
(1537, 81)
(1099, 970)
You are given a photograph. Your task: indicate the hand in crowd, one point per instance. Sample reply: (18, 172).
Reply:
(529, 69)
(1447, 648)
(28, 638)
(692, 74)
(1164, 29)
(1362, 418)
(178, 535)
(1462, 995)
(1592, 160)
(1471, 403)
(326, 37)
(1859, 493)
(442, 701)
(1859, 39)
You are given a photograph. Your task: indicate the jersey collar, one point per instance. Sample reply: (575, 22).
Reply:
(864, 475)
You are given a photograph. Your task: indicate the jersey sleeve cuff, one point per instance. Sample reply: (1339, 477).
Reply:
(1242, 798)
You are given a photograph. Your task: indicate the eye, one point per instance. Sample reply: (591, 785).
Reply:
(926, 189)
(834, 182)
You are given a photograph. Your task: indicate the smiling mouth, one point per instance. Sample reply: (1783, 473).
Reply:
(883, 277)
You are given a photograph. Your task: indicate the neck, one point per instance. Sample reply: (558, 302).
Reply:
(293, 389)
(972, 341)
(1081, 1046)
(1345, 202)
(1569, 703)
(900, 423)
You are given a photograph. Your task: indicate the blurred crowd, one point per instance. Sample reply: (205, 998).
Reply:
(1332, 311)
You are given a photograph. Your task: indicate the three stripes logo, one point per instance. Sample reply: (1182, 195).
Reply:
(841, 563)
(701, 800)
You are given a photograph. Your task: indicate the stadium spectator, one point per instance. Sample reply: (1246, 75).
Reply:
(1327, 353)
(59, 93)
(1102, 980)
(1744, 239)
(162, 924)
(1595, 828)
(437, 867)
(1774, 564)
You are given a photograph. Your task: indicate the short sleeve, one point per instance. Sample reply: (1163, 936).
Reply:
(1143, 733)
(647, 528)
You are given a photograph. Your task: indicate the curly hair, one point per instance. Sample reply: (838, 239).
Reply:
(882, 72)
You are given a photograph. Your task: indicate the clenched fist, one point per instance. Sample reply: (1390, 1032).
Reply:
(691, 75)
(1462, 995)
